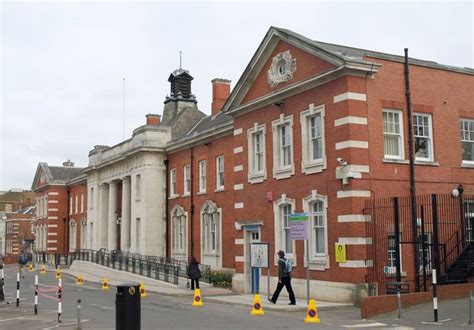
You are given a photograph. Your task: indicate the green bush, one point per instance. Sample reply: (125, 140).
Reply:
(221, 279)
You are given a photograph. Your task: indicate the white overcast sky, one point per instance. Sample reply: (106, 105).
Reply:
(62, 63)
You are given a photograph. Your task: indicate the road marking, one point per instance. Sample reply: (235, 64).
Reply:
(71, 322)
(366, 325)
(102, 307)
(432, 323)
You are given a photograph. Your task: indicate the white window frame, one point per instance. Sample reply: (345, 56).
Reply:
(393, 269)
(82, 202)
(186, 180)
(255, 175)
(173, 193)
(430, 157)
(278, 225)
(202, 176)
(70, 205)
(76, 200)
(45, 206)
(463, 139)
(210, 209)
(401, 140)
(72, 236)
(318, 261)
(310, 165)
(177, 215)
(279, 171)
(220, 181)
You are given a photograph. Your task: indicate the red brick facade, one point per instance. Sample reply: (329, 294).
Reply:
(353, 103)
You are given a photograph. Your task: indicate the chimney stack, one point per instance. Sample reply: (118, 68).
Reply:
(68, 163)
(153, 119)
(220, 94)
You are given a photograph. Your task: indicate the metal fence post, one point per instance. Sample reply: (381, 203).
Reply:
(434, 205)
(397, 240)
(79, 314)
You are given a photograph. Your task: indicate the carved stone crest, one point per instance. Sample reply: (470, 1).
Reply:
(282, 68)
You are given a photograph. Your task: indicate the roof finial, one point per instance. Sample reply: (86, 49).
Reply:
(180, 59)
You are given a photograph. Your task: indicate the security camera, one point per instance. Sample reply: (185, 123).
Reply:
(342, 161)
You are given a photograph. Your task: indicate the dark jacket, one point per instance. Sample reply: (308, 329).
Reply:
(281, 269)
(193, 271)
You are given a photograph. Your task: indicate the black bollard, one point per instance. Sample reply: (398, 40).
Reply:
(127, 307)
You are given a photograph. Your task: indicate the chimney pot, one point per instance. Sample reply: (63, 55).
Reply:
(220, 94)
(153, 119)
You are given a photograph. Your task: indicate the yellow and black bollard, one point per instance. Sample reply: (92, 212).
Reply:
(312, 313)
(58, 274)
(43, 269)
(30, 268)
(105, 284)
(197, 301)
(79, 280)
(257, 307)
(143, 293)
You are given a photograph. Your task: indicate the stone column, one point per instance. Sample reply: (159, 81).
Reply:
(112, 225)
(104, 215)
(126, 215)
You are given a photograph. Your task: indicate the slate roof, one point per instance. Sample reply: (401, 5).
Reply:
(358, 54)
(60, 173)
(205, 125)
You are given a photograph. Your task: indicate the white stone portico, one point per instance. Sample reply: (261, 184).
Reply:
(127, 192)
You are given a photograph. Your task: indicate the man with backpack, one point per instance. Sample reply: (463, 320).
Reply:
(284, 279)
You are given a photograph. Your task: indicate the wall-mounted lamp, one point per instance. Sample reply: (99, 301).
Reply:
(279, 104)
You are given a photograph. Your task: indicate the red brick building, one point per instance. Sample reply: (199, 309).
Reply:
(319, 128)
(19, 233)
(61, 207)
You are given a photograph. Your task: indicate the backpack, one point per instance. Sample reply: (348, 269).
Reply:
(23, 259)
(288, 266)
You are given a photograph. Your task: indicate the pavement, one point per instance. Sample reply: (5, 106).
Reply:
(95, 273)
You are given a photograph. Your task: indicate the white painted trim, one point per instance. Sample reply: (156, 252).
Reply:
(52, 210)
(310, 165)
(52, 241)
(356, 264)
(353, 193)
(238, 186)
(52, 218)
(52, 248)
(350, 96)
(239, 258)
(352, 144)
(357, 168)
(53, 193)
(350, 120)
(239, 241)
(52, 225)
(53, 201)
(353, 218)
(52, 234)
(238, 168)
(238, 150)
(355, 240)
(239, 205)
(237, 131)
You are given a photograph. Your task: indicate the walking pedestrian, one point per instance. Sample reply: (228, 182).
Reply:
(22, 261)
(194, 273)
(284, 279)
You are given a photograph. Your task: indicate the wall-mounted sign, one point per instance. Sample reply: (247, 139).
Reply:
(341, 252)
(259, 255)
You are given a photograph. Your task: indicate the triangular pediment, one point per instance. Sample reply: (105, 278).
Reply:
(282, 60)
(42, 176)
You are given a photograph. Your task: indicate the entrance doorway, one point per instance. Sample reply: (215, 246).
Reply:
(252, 234)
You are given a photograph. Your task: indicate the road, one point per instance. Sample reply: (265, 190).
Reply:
(166, 312)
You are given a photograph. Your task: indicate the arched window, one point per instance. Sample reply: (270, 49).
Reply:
(282, 210)
(211, 228)
(316, 206)
(179, 232)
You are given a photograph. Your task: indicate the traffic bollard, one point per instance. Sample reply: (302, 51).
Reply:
(127, 307)
(470, 308)
(60, 300)
(17, 289)
(2, 284)
(79, 314)
(36, 294)
(435, 296)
